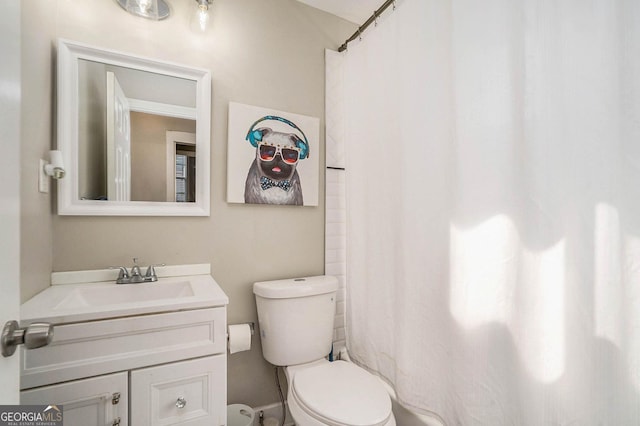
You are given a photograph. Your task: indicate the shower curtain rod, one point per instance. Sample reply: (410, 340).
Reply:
(369, 21)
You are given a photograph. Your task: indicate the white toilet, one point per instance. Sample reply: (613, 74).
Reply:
(296, 328)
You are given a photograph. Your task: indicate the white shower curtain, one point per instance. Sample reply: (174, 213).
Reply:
(493, 208)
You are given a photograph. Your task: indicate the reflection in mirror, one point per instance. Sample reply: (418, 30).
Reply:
(181, 166)
(124, 117)
(136, 132)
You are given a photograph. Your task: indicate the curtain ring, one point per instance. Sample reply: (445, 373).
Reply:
(394, 4)
(359, 34)
(375, 18)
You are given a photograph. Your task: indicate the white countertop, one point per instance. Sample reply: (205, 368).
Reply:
(191, 287)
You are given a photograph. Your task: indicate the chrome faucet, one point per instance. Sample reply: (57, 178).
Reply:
(123, 276)
(135, 277)
(150, 275)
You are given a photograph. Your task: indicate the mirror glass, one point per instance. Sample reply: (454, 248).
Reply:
(135, 132)
(122, 151)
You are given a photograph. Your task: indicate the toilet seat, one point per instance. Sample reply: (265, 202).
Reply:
(342, 394)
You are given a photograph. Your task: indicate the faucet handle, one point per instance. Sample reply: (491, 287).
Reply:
(150, 275)
(123, 276)
(136, 275)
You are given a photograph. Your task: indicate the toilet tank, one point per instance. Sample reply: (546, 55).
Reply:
(296, 318)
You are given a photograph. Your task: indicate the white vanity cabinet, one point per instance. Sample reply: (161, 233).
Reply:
(97, 401)
(186, 393)
(136, 364)
(173, 363)
(189, 392)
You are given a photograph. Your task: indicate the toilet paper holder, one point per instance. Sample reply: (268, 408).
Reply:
(252, 327)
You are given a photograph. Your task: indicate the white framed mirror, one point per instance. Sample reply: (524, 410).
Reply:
(134, 133)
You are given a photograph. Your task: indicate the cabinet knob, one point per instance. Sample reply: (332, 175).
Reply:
(181, 402)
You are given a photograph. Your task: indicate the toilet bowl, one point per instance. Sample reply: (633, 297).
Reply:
(337, 394)
(296, 330)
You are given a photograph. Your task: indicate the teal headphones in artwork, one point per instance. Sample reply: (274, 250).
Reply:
(254, 136)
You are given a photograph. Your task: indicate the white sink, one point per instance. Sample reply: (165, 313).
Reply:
(78, 296)
(117, 294)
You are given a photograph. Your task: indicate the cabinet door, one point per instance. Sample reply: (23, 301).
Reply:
(187, 393)
(86, 402)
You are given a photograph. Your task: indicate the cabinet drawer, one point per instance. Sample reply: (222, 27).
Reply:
(85, 402)
(100, 347)
(186, 393)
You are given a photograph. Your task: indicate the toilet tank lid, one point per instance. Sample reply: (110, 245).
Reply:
(296, 287)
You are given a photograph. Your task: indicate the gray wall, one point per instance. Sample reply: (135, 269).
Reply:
(36, 232)
(261, 52)
(92, 129)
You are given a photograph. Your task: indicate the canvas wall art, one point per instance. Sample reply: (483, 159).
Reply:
(273, 157)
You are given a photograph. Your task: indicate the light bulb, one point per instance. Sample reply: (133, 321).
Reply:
(203, 17)
(200, 19)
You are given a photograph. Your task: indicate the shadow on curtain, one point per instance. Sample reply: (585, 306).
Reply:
(493, 201)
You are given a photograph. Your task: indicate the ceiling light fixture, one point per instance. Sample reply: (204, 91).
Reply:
(150, 9)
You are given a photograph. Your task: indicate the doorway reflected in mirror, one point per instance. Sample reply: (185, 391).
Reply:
(185, 173)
